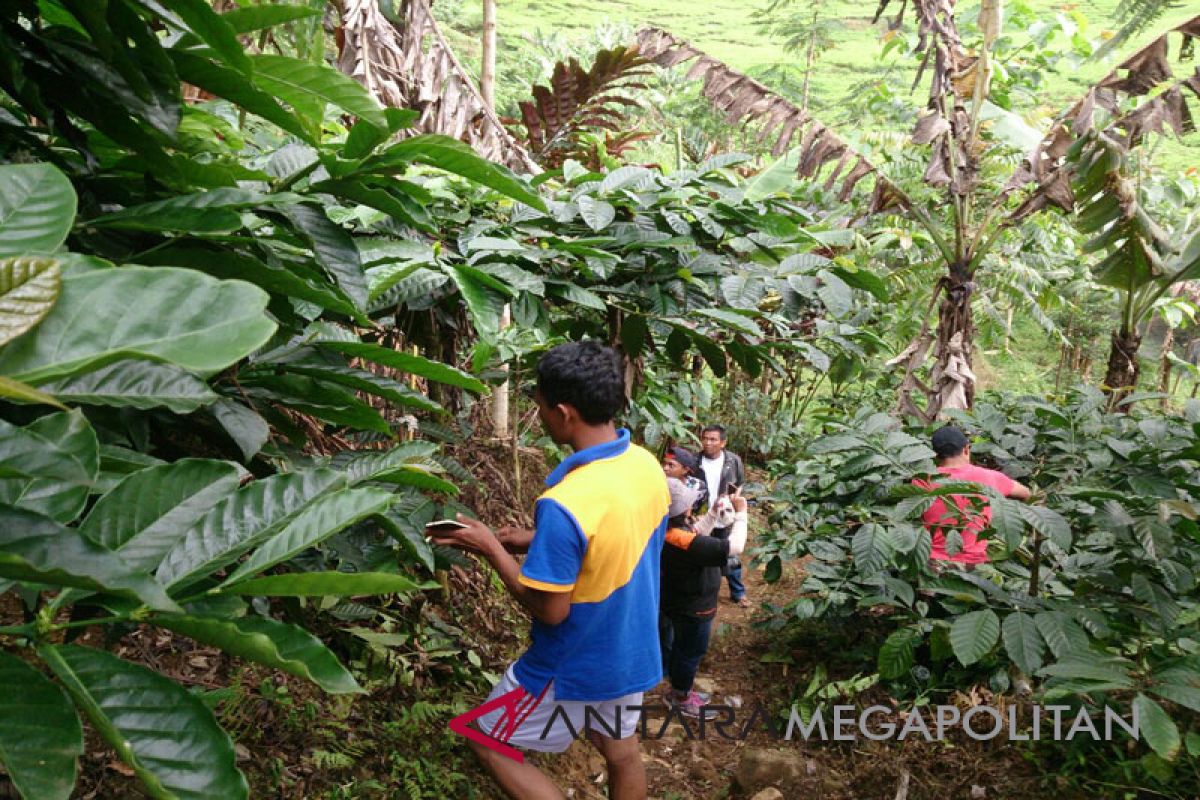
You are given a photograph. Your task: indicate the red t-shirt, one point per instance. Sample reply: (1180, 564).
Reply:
(939, 516)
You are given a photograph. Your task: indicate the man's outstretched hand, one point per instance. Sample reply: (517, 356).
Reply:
(476, 536)
(550, 608)
(514, 539)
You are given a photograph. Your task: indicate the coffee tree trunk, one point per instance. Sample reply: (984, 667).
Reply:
(630, 363)
(1164, 368)
(487, 89)
(1123, 368)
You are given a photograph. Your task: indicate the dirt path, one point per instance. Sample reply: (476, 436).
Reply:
(678, 767)
(683, 768)
(733, 673)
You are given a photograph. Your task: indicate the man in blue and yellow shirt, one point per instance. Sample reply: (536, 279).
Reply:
(590, 580)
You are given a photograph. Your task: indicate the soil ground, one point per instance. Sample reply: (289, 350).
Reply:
(734, 671)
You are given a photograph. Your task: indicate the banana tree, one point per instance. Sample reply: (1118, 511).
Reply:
(1141, 260)
(955, 217)
(969, 211)
(398, 52)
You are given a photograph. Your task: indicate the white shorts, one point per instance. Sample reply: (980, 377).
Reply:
(541, 723)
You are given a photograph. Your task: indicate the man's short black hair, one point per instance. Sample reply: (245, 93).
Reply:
(720, 429)
(585, 375)
(949, 441)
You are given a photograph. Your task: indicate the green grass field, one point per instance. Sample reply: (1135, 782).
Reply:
(728, 30)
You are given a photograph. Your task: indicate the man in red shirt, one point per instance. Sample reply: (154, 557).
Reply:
(972, 514)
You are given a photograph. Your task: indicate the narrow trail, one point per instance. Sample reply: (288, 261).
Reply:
(678, 767)
(733, 673)
(763, 767)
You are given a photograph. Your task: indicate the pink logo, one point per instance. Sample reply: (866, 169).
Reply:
(517, 705)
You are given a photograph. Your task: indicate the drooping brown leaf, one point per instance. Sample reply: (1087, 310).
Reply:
(409, 64)
(936, 173)
(742, 99)
(1141, 74)
(929, 127)
(860, 170)
(831, 179)
(960, 80)
(1146, 118)
(1082, 116)
(1178, 113)
(938, 39)
(1144, 70)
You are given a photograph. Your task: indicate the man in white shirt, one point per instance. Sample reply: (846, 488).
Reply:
(723, 473)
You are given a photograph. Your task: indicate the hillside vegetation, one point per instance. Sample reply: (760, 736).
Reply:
(263, 273)
(730, 30)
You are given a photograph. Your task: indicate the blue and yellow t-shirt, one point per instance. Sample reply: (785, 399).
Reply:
(598, 535)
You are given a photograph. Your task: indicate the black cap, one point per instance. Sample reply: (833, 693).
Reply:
(685, 457)
(949, 441)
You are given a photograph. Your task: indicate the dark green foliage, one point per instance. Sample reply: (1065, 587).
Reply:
(1091, 586)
